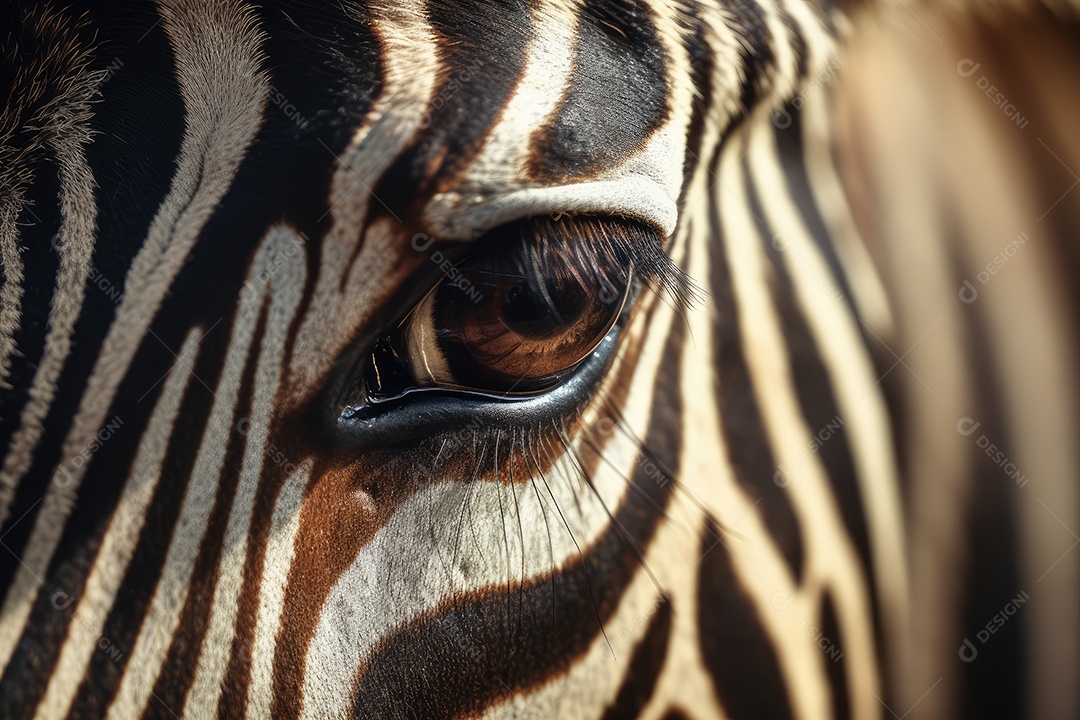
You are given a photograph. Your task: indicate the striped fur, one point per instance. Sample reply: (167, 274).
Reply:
(736, 508)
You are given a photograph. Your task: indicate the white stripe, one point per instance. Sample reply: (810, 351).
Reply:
(676, 555)
(915, 256)
(78, 228)
(11, 292)
(548, 60)
(280, 549)
(498, 189)
(173, 587)
(1030, 332)
(282, 258)
(118, 545)
(706, 469)
(822, 130)
(783, 77)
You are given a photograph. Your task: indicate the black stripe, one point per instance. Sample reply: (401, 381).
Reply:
(994, 684)
(616, 98)
(835, 667)
(138, 125)
(791, 149)
(817, 400)
(31, 663)
(482, 46)
(756, 56)
(737, 651)
(702, 64)
(740, 419)
(676, 714)
(102, 677)
(472, 652)
(792, 153)
(798, 42)
(181, 661)
(48, 64)
(36, 226)
(644, 668)
(39, 223)
(132, 156)
(107, 468)
(1048, 177)
(825, 10)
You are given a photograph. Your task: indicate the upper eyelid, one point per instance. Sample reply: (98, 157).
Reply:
(611, 242)
(461, 216)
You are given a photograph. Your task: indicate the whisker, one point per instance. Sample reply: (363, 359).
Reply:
(584, 561)
(547, 526)
(623, 533)
(521, 533)
(506, 539)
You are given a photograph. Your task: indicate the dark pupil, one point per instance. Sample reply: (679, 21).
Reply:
(527, 312)
(522, 305)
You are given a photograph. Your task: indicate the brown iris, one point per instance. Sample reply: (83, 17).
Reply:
(516, 329)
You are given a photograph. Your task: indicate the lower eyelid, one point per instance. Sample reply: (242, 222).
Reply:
(444, 411)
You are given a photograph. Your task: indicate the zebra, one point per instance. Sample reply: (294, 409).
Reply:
(538, 358)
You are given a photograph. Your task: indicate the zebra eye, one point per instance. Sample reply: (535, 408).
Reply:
(513, 319)
(497, 329)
